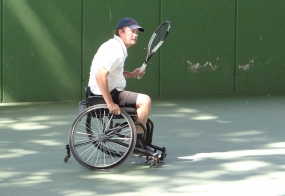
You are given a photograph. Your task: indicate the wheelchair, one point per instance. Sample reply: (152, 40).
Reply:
(99, 140)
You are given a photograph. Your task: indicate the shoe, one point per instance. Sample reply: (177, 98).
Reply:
(139, 147)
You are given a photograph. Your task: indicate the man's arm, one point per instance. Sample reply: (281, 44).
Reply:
(102, 81)
(134, 74)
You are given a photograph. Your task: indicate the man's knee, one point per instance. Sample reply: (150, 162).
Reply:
(147, 100)
(143, 100)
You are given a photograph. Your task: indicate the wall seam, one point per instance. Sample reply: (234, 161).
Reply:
(2, 52)
(159, 57)
(81, 54)
(235, 52)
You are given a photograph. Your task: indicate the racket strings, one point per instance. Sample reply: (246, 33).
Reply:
(158, 37)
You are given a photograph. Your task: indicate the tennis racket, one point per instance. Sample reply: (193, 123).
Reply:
(156, 41)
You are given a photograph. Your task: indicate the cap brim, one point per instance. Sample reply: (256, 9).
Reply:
(137, 27)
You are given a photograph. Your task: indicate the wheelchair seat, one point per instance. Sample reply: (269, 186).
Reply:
(100, 140)
(92, 99)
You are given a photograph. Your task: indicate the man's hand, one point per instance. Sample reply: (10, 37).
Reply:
(136, 73)
(114, 108)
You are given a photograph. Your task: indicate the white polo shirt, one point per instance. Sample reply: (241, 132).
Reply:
(111, 55)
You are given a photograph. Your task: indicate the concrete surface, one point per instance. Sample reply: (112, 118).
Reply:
(228, 145)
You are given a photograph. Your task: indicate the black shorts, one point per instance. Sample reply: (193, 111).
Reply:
(125, 98)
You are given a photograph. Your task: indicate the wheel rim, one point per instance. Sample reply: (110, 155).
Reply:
(100, 140)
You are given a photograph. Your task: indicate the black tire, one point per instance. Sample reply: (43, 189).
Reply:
(101, 141)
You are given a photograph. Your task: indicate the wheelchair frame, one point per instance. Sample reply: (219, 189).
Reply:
(100, 140)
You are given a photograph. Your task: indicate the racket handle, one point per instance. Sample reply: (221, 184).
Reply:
(142, 68)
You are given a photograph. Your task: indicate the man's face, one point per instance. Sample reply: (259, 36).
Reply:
(129, 36)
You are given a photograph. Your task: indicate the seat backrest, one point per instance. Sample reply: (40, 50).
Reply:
(87, 91)
(93, 99)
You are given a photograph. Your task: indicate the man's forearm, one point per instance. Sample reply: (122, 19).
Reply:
(128, 74)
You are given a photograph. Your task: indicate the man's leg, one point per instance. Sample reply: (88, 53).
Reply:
(142, 103)
(143, 106)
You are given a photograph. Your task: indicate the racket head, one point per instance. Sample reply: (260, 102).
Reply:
(156, 41)
(158, 37)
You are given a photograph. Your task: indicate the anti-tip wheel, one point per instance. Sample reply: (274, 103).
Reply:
(65, 159)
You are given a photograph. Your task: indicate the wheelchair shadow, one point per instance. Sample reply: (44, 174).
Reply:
(139, 163)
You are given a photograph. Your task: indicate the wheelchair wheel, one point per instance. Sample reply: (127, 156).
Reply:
(100, 140)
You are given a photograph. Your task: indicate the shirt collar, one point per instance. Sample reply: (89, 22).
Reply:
(122, 44)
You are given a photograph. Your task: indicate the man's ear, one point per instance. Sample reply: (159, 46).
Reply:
(121, 31)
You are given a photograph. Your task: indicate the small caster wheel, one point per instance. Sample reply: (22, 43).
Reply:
(162, 157)
(154, 163)
(65, 159)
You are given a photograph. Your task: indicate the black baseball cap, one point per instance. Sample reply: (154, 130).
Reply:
(130, 23)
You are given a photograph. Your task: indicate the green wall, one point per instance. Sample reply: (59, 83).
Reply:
(41, 50)
(199, 57)
(260, 50)
(221, 46)
(1, 51)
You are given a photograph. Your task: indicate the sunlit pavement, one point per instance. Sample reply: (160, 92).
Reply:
(215, 145)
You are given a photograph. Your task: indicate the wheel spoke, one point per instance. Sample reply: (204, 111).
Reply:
(100, 140)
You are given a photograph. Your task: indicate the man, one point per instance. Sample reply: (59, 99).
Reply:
(107, 73)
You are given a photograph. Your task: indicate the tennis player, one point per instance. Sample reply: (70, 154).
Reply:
(108, 77)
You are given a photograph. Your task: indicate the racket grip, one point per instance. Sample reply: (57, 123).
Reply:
(142, 68)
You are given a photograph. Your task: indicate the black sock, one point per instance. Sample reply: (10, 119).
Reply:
(140, 136)
(139, 142)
